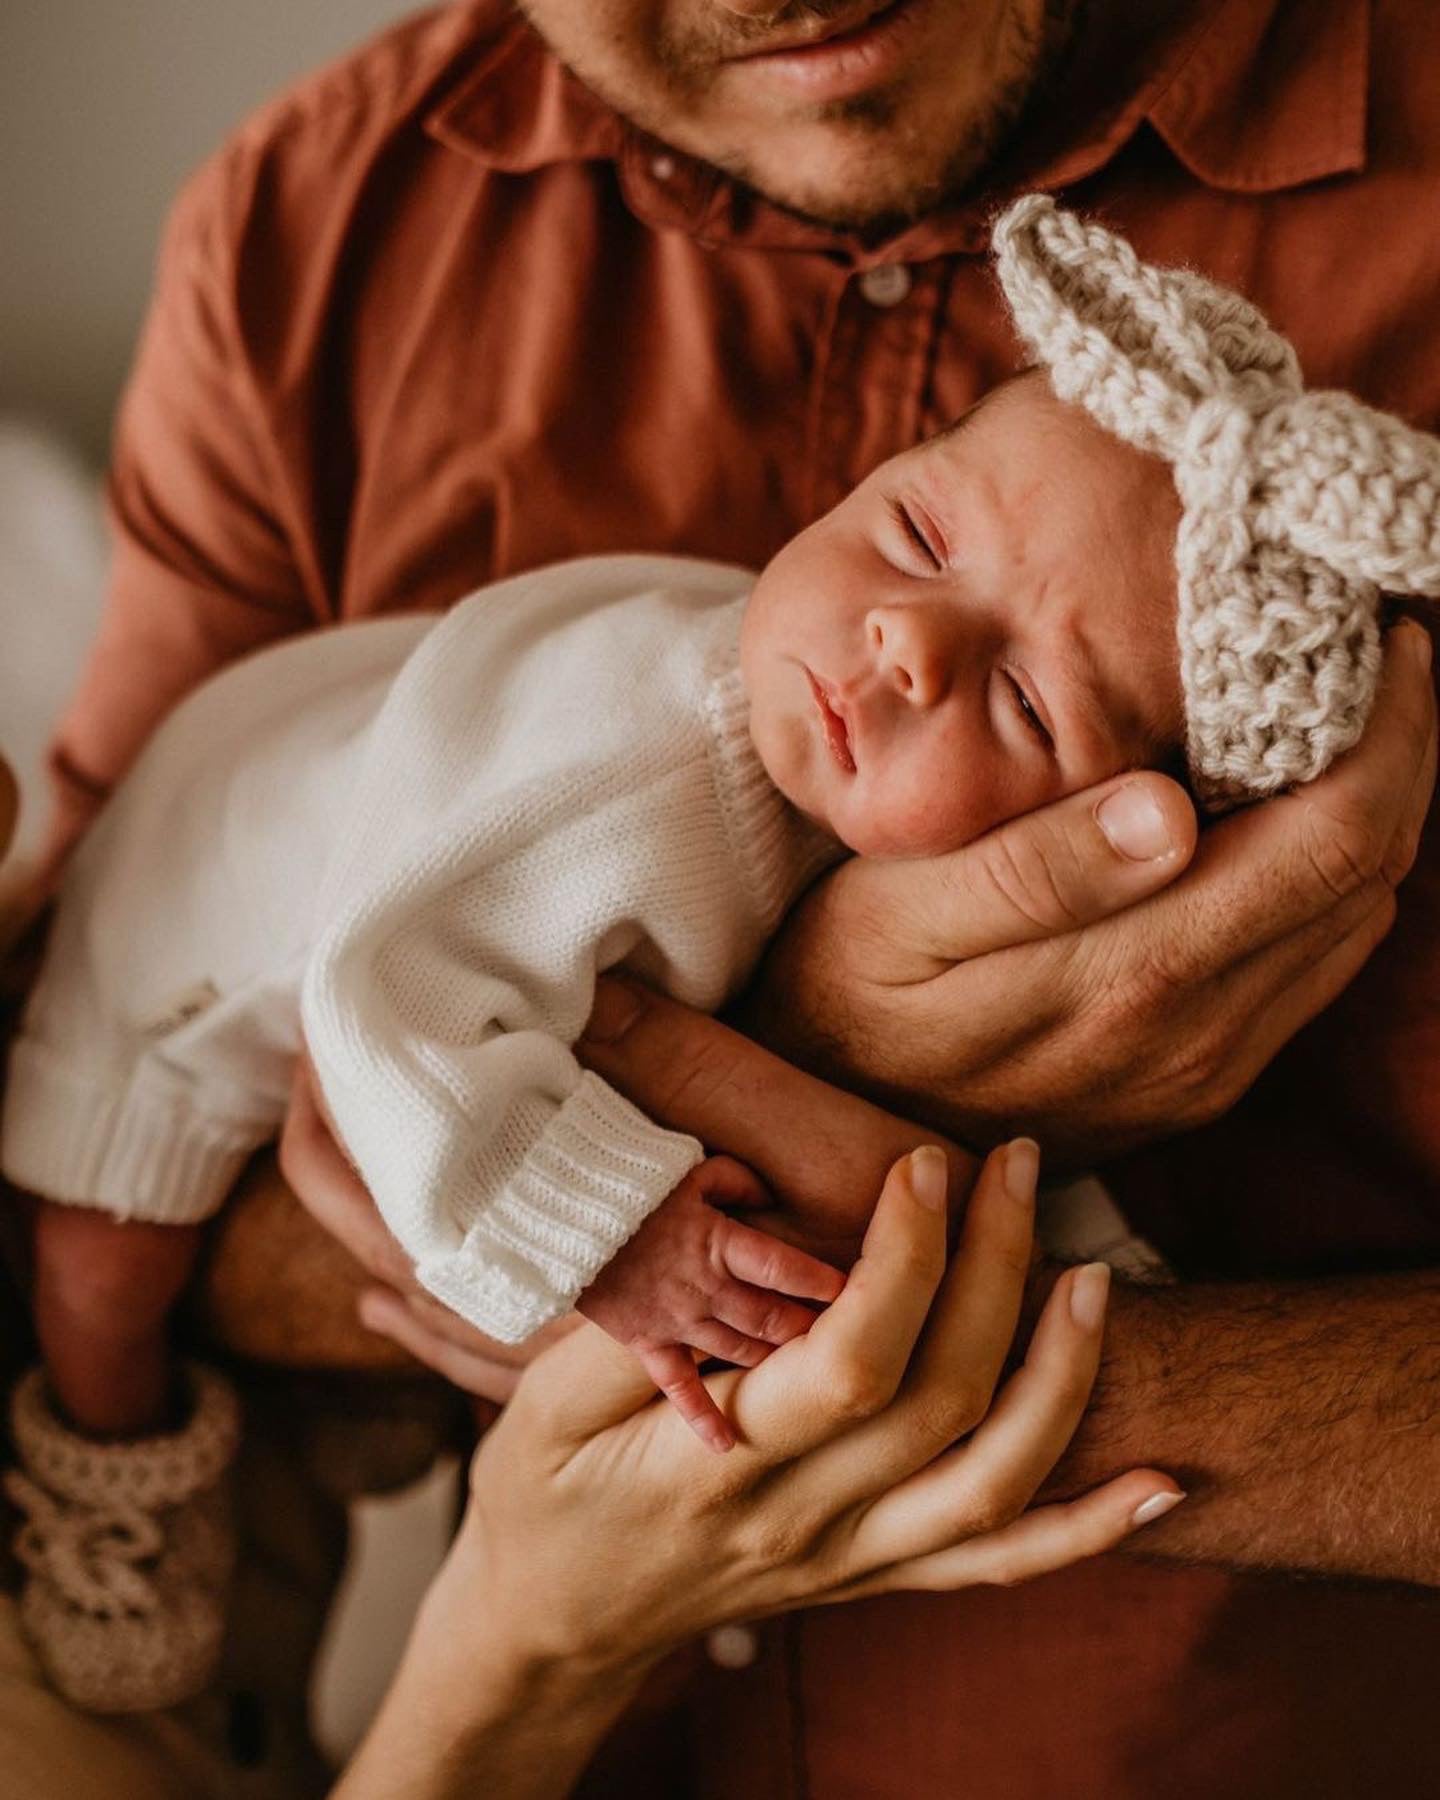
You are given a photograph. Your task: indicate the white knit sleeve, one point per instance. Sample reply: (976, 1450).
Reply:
(537, 804)
(510, 1175)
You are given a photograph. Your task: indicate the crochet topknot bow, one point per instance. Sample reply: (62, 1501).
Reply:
(1298, 507)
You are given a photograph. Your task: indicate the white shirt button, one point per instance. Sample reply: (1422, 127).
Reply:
(886, 284)
(732, 1646)
(662, 167)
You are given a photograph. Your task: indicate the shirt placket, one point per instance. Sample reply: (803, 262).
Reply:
(873, 356)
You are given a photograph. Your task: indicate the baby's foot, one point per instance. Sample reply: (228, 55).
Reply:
(129, 1548)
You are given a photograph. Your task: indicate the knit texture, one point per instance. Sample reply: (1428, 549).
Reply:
(127, 1546)
(456, 826)
(1298, 507)
(561, 779)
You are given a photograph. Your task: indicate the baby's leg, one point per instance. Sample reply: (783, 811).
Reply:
(104, 1288)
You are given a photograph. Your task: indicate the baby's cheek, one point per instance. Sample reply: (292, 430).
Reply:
(925, 815)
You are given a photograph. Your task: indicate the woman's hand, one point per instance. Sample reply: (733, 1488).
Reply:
(880, 1451)
(874, 1452)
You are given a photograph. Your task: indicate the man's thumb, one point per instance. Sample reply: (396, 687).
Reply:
(1050, 872)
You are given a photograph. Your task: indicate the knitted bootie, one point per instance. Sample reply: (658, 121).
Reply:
(129, 1548)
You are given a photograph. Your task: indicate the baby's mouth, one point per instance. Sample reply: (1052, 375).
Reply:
(833, 723)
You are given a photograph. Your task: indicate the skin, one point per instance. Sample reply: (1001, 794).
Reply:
(1070, 969)
(693, 73)
(993, 615)
(848, 1481)
(1329, 1466)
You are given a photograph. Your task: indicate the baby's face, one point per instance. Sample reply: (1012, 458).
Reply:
(985, 624)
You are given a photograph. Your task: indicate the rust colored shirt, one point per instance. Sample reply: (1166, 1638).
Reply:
(438, 315)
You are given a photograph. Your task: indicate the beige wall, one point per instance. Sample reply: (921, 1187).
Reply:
(104, 107)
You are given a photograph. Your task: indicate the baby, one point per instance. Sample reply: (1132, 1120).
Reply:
(413, 844)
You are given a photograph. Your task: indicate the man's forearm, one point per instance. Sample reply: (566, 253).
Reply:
(1303, 1418)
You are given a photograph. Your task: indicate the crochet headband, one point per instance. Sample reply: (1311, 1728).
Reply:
(1298, 508)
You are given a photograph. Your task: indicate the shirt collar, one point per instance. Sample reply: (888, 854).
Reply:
(1252, 96)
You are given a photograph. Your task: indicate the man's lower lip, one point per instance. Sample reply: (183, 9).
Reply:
(845, 65)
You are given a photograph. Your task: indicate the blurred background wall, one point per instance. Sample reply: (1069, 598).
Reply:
(105, 105)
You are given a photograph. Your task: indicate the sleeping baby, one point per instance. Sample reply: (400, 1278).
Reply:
(411, 845)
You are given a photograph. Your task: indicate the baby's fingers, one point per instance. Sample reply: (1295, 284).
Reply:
(712, 1338)
(672, 1369)
(765, 1262)
(768, 1317)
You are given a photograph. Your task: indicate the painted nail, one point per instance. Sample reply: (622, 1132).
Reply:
(1022, 1166)
(929, 1176)
(1089, 1290)
(1133, 823)
(1155, 1507)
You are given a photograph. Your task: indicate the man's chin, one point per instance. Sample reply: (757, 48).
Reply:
(844, 185)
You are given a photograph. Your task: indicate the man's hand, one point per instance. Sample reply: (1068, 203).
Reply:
(1056, 978)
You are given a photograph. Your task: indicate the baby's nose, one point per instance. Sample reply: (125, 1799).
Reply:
(910, 651)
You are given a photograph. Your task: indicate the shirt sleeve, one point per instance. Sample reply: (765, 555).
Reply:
(508, 1173)
(527, 813)
(202, 566)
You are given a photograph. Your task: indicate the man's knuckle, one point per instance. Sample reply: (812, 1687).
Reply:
(1401, 853)
(1343, 849)
(1024, 878)
(1160, 971)
(705, 1070)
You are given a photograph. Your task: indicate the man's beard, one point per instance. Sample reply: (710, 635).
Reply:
(1030, 59)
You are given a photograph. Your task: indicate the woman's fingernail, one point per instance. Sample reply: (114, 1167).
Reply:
(1089, 1290)
(929, 1176)
(1022, 1166)
(1155, 1507)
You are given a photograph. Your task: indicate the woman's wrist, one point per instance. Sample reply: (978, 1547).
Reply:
(482, 1695)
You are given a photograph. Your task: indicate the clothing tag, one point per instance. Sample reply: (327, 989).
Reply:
(185, 1006)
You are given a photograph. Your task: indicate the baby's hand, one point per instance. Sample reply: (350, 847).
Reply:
(690, 1276)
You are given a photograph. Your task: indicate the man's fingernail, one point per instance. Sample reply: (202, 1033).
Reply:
(1022, 1166)
(615, 1009)
(1155, 1507)
(1089, 1290)
(1133, 823)
(929, 1176)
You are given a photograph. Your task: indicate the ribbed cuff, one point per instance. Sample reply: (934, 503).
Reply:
(598, 1171)
(137, 1149)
